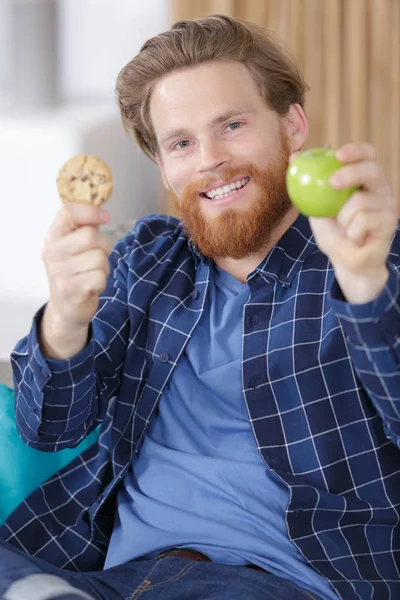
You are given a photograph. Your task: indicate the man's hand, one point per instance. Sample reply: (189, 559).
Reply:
(357, 241)
(75, 255)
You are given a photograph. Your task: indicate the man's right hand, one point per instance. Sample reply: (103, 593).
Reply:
(75, 255)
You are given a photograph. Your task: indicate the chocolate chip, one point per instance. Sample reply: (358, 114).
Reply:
(93, 196)
(73, 178)
(84, 178)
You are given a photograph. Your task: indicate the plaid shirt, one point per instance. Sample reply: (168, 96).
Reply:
(321, 382)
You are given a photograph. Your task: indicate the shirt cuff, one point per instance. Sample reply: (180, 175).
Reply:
(374, 323)
(58, 373)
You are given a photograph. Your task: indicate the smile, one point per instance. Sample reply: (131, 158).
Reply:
(227, 190)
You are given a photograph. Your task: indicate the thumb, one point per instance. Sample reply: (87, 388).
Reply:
(327, 233)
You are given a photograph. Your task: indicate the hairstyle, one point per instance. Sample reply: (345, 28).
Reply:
(190, 43)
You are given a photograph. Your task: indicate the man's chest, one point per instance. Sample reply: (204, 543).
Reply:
(292, 348)
(295, 370)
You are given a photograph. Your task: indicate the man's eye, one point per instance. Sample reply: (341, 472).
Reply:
(235, 125)
(184, 143)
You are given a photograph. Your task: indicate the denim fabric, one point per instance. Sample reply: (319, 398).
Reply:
(170, 578)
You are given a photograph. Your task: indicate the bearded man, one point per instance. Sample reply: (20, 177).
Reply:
(243, 361)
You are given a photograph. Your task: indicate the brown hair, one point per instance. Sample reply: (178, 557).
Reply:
(189, 43)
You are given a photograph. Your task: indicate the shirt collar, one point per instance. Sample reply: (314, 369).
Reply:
(197, 255)
(284, 259)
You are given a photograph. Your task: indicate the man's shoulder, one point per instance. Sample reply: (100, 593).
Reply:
(154, 233)
(155, 245)
(158, 224)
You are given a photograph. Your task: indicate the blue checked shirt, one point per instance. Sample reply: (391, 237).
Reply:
(321, 382)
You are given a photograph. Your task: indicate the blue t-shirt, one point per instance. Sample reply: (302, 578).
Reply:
(191, 485)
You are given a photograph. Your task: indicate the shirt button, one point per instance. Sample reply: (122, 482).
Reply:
(164, 357)
(254, 320)
(253, 384)
(195, 294)
(136, 436)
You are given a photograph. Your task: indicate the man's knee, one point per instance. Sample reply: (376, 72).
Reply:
(44, 587)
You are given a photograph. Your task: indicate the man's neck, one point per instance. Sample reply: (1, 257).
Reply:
(243, 267)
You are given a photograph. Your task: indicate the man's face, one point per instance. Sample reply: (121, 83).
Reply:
(214, 130)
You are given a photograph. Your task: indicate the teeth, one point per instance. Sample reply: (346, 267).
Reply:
(230, 193)
(226, 189)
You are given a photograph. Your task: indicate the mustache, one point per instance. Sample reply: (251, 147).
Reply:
(195, 187)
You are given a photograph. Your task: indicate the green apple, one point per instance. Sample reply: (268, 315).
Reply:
(307, 182)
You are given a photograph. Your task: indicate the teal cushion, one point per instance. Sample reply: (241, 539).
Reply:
(23, 469)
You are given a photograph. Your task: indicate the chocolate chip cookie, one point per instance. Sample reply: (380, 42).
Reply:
(85, 179)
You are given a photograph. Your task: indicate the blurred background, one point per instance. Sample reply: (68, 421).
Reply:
(58, 64)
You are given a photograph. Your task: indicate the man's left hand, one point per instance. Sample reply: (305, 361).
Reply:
(357, 241)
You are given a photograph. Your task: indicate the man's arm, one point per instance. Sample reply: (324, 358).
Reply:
(363, 248)
(372, 332)
(60, 401)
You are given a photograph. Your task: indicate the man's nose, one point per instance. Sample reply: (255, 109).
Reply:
(213, 155)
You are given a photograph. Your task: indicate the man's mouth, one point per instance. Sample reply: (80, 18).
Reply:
(227, 190)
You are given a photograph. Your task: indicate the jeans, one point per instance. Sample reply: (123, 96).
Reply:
(24, 577)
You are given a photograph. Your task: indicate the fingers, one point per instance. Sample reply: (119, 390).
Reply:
(361, 169)
(362, 201)
(74, 215)
(86, 261)
(358, 239)
(335, 244)
(356, 152)
(84, 238)
(368, 223)
(75, 290)
(366, 174)
(74, 249)
(75, 255)
(326, 231)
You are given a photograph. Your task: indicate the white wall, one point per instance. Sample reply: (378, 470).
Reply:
(5, 67)
(96, 37)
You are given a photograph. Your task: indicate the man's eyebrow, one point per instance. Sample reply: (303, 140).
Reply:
(182, 132)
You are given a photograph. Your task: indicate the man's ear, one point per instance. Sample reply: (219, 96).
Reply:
(296, 127)
(161, 166)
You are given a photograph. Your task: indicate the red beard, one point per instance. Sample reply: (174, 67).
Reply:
(238, 233)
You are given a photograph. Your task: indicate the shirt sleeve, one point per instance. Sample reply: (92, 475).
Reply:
(372, 333)
(59, 402)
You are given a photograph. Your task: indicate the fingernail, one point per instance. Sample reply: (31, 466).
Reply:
(335, 180)
(341, 155)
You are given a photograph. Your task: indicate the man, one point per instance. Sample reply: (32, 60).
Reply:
(243, 363)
